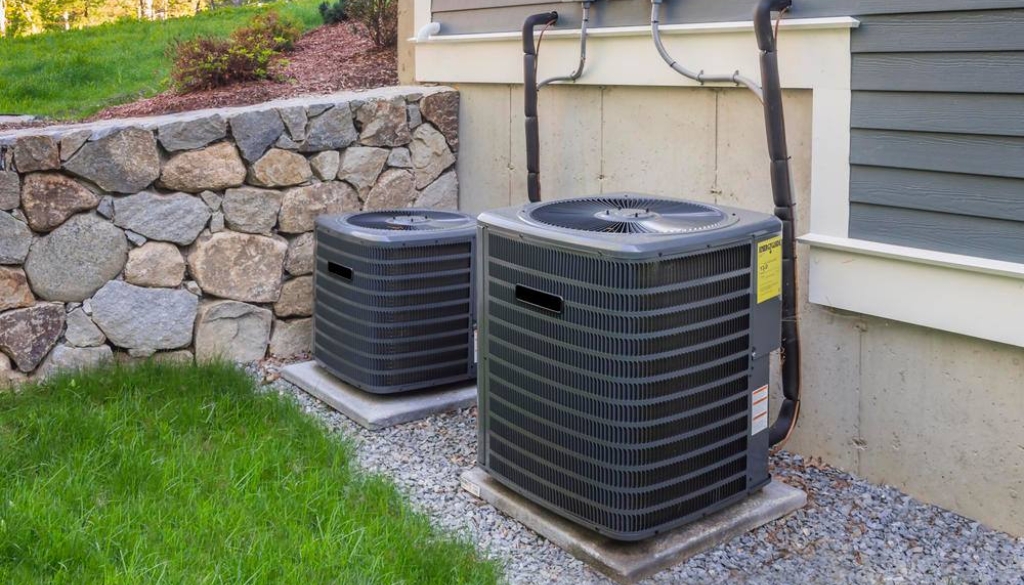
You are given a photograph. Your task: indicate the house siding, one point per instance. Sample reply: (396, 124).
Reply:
(937, 144)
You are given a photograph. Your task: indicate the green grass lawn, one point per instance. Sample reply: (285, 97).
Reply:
(77, 73)
(172, 474)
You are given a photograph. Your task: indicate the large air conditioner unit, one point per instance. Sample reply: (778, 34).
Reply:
(395, 301)
(625, 346)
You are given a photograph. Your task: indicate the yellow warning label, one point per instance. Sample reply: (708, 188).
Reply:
(769, 269)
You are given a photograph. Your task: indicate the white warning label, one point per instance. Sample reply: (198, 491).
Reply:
(470, 487)
(759, 410)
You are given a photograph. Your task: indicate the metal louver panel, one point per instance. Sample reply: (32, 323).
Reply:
(395, 313)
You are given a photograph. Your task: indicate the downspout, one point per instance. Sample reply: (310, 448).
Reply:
(782, 193)
(530, 101)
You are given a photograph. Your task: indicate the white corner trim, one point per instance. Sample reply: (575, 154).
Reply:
(960, 294)
(843, 22)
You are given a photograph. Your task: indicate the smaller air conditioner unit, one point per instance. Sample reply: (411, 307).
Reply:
(624, 347)
(394, 306)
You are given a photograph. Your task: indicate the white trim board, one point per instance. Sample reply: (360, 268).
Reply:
(960, 294)
(841, 22)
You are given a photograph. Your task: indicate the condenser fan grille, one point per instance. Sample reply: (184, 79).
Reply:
(410, 220)
(629, 215)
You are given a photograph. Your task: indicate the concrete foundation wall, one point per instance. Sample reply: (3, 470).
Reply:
(932, 413)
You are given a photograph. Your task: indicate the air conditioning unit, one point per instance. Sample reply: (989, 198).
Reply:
(625, 346)
(395, 299)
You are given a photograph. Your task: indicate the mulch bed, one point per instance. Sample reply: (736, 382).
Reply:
(327, 59)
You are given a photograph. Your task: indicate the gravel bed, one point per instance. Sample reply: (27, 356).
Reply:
(850, 532)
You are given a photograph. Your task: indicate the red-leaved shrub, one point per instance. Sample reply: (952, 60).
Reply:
(253, 52)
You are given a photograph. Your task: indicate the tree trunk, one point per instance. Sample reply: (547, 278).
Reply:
(3, 18)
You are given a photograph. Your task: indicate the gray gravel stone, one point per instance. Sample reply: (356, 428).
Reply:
(255, 132)
(430, 155)
(212, 200)
(65, 358)
(134, 317)
(15, 240)
(76, 259)
(330, 130)
(441, 194)
(82, 332)
(296, 298)
(252, 210)
(106, 207)
(280, 168)
(192, 133)
(291, 337)
(177, 217)
(415, 116)
(299, 260)
(361, 165)
(233, 331)
(325, 164)
(156, 264)
(10, 190)
(394, 190)
(294, 119)
(241, 267)
(72, 141)
(36, 153)
(212, 168)
(302, 205)
(400, 158)
(135, 239)
(126, 161)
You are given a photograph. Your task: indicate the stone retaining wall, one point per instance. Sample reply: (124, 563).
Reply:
(190, 236)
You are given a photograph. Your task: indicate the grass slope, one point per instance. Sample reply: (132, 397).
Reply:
(171, 474)
(77, 73)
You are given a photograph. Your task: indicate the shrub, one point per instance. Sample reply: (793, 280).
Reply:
(380, 17)
(253, 52)
(334, 13)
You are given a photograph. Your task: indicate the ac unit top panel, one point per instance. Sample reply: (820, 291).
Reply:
(629, 225)
(400, 227)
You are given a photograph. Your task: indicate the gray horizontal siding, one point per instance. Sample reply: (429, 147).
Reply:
(476, 16)
(956, 234)
(952, 113)
(996, 156)
(980, 30)
(985, 72)
(937, 145)
(973, 195)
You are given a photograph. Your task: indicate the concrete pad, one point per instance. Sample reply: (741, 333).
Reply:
(375, 411)
(627, 562)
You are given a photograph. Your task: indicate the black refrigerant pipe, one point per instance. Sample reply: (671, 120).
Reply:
(530, 101)
(782, 192)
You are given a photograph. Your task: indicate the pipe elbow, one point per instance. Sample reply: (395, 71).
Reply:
(763, 22)
(427, 31)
